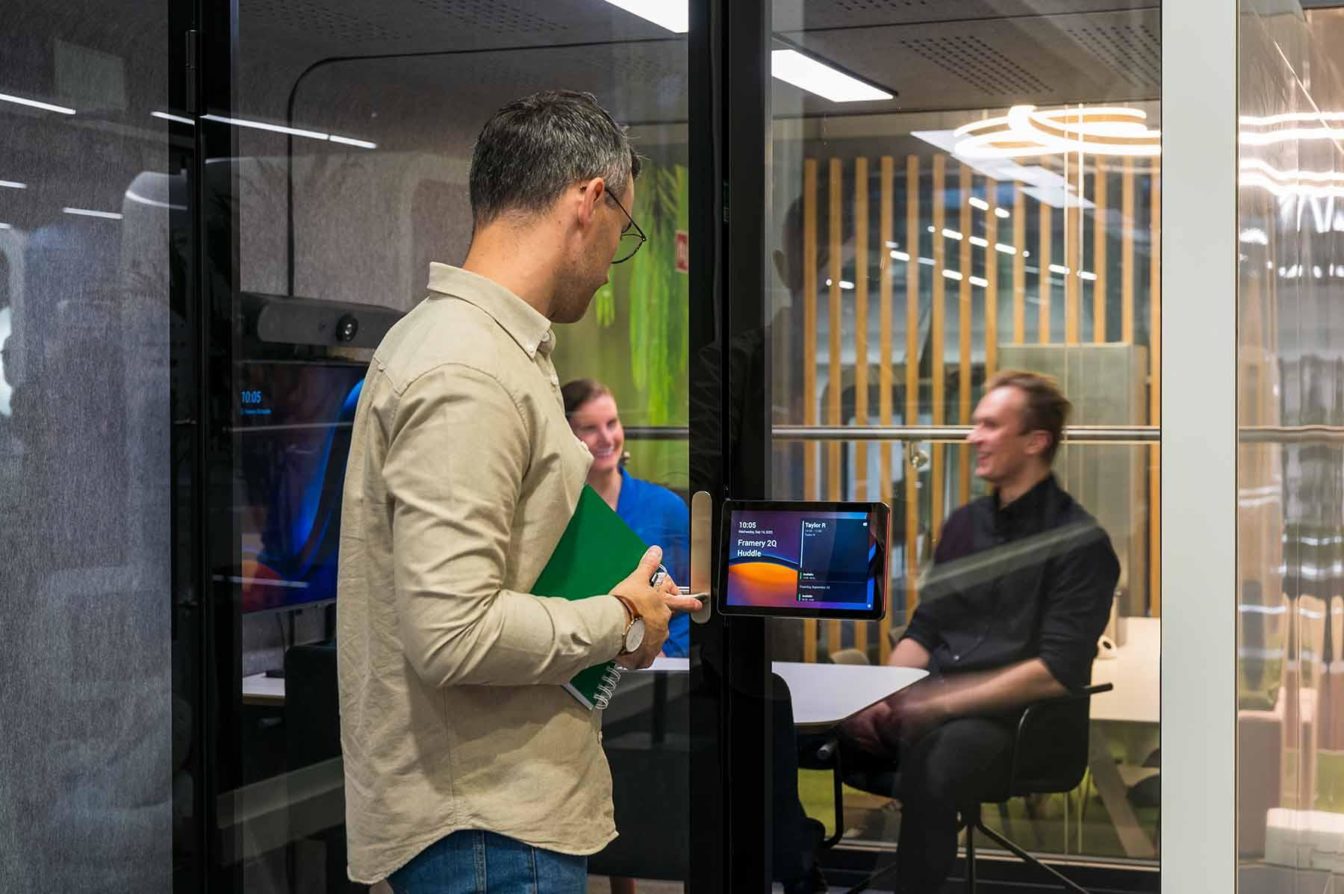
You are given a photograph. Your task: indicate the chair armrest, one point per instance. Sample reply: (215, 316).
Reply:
(1034, 709)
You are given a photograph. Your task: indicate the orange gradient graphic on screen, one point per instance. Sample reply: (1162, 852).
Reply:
(262, 586)
(762, 583)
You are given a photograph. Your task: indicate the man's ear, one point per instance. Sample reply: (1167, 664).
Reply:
(591, 193)
(1038, 442)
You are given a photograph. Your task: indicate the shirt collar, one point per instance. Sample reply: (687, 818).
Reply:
(1026, 506)
(523, 322)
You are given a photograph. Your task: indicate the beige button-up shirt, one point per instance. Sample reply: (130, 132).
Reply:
(463, 473)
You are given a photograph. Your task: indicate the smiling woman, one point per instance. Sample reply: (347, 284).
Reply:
(657, 515)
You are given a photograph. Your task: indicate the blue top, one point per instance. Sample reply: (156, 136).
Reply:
(661, 518)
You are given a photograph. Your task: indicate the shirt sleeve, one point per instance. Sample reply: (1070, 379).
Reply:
(1077, 605)
(458, 450)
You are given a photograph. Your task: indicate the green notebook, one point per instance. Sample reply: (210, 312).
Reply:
(596, 552)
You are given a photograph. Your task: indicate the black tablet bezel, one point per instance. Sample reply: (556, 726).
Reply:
(879, 512)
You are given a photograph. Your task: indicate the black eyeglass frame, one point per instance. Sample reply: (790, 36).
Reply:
(626, 229)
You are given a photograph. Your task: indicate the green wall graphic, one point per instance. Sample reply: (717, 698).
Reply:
(634, 338)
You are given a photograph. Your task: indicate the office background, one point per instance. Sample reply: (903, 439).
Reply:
(151, 582)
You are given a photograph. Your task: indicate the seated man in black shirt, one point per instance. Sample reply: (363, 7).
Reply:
(1010, 613)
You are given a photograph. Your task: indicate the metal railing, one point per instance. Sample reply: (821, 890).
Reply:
(1081, 434)
(1291, 434)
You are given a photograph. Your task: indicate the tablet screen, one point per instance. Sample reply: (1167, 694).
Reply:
(806, 560)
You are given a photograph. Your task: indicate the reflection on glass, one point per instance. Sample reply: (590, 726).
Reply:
(90, 751)
(995, 211)
(1290, 533)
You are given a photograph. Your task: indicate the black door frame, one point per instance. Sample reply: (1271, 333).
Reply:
(730, 430)
(206, 624)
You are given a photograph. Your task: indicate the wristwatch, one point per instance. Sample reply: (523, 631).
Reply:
(634, 627)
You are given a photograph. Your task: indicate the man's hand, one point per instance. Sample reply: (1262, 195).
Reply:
(903, 717)
(922, 707)
(654, 604)
(869, 729)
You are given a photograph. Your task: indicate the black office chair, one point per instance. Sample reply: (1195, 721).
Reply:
(1050, 753)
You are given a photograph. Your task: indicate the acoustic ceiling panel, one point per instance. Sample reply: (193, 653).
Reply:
(934, 54)
(983, 63)
(975, 62)
(1131, 49)
(344, 27)
(499, 16)
(868, 13)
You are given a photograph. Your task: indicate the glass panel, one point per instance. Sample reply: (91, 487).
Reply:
(368, 118)
(994, 205)
(1290, 755)
(90, 753)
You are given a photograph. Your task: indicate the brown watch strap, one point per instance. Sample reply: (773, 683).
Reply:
(631, 613)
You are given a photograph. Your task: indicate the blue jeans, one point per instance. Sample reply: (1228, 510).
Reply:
(477, 862)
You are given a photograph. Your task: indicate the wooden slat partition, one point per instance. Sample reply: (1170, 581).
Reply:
(1073, 260)
(1099, 250)
(1127, 252)
(1155, 402)
(861, 349)
(810, 448)
(1043, 262)
(964, 317)
(911, 378)
(938, 340)
(887, 356)
(1019, 265)
(835, 386)
(991, 278)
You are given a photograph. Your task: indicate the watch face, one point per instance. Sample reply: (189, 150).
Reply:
(634, 637)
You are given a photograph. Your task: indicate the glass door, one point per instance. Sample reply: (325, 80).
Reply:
(339, 140)
(950, 193)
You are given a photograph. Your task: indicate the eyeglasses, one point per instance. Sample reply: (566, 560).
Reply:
(632, 237)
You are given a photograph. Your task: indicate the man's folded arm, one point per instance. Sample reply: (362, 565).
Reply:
(458, 452)
(1077, 606)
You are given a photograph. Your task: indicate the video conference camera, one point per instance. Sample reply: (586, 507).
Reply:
(282, 319)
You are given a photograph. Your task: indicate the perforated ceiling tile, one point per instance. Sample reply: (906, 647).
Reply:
(976, 62)
(319, 19)
(1132, 51)
(852, 13)
(881, 5)
(496, 16)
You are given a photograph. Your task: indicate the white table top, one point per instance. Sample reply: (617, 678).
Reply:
(1136, 673)
(825, 694)
(259, 689)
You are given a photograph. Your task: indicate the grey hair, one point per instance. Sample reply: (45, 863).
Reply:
(535, 147)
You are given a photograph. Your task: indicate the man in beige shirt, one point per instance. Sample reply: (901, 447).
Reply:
(468, 766)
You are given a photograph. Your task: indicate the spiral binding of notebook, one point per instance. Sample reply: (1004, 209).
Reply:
(595, 686)
(607, 688)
